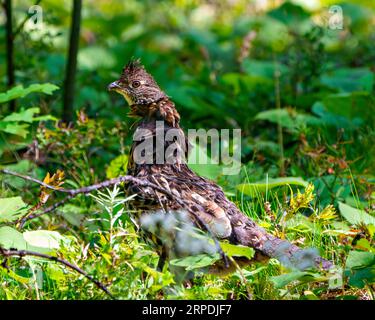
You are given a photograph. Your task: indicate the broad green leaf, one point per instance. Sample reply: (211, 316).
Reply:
(350, 79)
(194, 262)
(23, 167)
(360, 268)
(288, 118)
(360, 259)
(20, 91)
(284, 279)
(73, 214)
(253, 189)
(357, 107)
(360, 277)
(12, 208)
(264, 69)
(355, 216)
(11, 238)
(300, 223)
(290, 14)
(24, 115)
(14, 128)
(237, 250)
(44, 239)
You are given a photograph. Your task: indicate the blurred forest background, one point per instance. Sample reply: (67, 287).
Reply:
(292, 75)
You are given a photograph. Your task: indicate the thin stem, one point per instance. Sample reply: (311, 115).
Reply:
(280, 137)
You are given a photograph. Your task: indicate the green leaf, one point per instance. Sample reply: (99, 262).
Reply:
(199, 162)
(355, 216)
(24, 115)
(117, 167)
(14, 128)
(11, 209)
(23, 167)
(284, 279)
(360, 277)
(11, 238)
(290, 14)
(15, 276)
(73, 214)
(20, 91)
(350, 79)
(194, 262)
(232, 250)
(253, 189)
(264, 69)
(360, 268)
(357, 107)
(44, 239)
(360, 259)
(288, 118)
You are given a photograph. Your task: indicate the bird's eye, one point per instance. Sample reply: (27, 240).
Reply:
(136, 84)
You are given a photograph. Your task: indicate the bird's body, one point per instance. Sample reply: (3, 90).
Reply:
(203, 200)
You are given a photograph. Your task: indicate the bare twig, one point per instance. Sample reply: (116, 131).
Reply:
(96, 186)
(23, 253)
(23, 220)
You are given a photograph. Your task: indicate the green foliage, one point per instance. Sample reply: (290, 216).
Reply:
(237, 250)
(275, 72)
(252, 189)
(355, 216)
(20, 91)
(117, 167)
(196, 262)
(360, 268)
(11, 208)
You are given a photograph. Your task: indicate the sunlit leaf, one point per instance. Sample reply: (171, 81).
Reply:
(44, 239)
(252, 189)
(284, 279)
(12, 208)
(233, 250)
(355, 216)
(20, 91)
(195, 262)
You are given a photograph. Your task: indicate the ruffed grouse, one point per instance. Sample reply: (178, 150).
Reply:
(205, 202)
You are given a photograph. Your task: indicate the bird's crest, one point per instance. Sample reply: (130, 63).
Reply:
(132, 67)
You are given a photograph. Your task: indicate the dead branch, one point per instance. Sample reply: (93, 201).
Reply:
(22, 253)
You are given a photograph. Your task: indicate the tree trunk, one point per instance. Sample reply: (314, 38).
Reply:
(10, 49)
(71, 67)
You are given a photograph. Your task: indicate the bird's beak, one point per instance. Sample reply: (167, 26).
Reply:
(113, 86)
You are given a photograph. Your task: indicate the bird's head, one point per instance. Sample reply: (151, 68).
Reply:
(136, 85)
